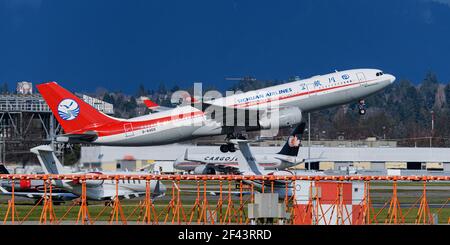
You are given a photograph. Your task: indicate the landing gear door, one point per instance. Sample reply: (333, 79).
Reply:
(128, 127)
(361, 78)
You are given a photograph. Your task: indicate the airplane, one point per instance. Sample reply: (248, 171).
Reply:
(248, 166)
(268, 108)
(228, 162)
(33, 189)
(99, 190)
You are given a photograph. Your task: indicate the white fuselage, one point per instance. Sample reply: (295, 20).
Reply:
(187, 122)
(106, 189)
(266, 161)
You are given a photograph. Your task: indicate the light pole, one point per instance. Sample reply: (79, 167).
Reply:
(309, 140)
(432, 128)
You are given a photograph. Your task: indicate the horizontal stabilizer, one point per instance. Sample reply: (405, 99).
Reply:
(154, 106)
(77, 138)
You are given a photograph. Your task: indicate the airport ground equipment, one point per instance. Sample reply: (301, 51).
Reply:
(266, 209)
(219, 199)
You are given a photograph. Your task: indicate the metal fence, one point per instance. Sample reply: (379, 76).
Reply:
(225, 199)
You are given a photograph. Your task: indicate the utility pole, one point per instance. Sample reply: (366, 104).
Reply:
(309, 140)
(432, 128)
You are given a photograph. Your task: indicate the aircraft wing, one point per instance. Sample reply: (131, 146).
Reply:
(223, 168)
(136, 195)
(246, 160)
(133, 195)
(38, 195)
(215, 193)
(219, 113)
(206, 105)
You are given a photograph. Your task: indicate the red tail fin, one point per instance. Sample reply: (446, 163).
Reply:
(74, 115)
(150, 104)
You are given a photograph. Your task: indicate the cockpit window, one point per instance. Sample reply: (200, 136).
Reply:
(379, 74)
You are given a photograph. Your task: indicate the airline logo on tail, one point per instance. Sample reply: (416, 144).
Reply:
(293, 141)
(68, 109)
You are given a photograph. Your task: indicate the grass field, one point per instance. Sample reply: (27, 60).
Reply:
(380, 198)
(133, 212)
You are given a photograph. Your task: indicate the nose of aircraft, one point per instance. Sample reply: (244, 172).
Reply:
(391, 78)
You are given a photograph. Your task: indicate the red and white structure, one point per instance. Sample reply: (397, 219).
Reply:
(329, 202)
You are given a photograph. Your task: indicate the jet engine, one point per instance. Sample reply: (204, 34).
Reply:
(284, 117)
(89, 183)
(204, 170)
(94, 183)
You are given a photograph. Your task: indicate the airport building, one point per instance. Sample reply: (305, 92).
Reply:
(161, 158)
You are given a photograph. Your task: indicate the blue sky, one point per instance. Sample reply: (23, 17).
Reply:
(119, 44)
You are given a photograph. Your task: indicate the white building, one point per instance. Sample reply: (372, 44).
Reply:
(100, 105)
(24, 88)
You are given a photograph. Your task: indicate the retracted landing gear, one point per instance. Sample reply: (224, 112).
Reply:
(362, 107)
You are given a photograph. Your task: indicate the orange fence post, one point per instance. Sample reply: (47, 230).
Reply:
(175, 207)
(205, 207)
(83, 214)
(318, 209)
(47, 209)
(197, 207)
(293, 213)
(149, 206)
(241, 204)
(338, 205)
(218, 212)
(230, 208)
(367, 204)
(171, 205)
(308, 209)
(11, 206)
(117, 207)
(424, 214)
(179, 207)
(395, 212)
